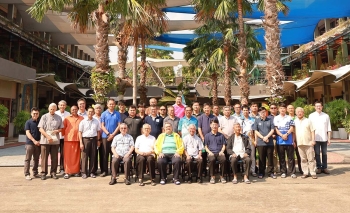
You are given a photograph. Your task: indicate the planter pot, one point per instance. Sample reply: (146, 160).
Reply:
(335, 134)
(2, 141)
(21, 138)
(342, 133)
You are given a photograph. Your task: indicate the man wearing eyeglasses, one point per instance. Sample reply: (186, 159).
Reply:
(162, 112)
(273, 114)
(237, 112)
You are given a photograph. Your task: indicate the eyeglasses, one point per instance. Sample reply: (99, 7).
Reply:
(162, 109)
(273, 108)
(123, 128)
(35, 113)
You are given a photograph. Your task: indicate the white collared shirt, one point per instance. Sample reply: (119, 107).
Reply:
(89, 128)
(63, 116)
(145, 144)
(238, 146)
(321, 124)
(193, 145)
(226, 124)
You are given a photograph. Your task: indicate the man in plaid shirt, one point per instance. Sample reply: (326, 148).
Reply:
(284, 125)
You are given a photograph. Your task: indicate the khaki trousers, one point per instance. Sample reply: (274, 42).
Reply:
(307, 156)
(47, 150)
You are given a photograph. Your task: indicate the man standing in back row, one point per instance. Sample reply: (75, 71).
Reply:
(63, 114)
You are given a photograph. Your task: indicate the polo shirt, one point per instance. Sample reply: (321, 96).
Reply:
(174, 122)
(63, 116)
(145, 144)
(184, 123)
(122, 144)
(134, 126)
(283, 124)
(156, 125)
(89, 128)
(214, 142)
(197, 115)
(204, 122)
(110, 121)
(50, 122)
(32, 126)
(71, 127)
(192, 144)
(322, 125)
(169, 144)
(264, 127)
(179, 110)
(226, 124)
(123, 116)
(303, 131)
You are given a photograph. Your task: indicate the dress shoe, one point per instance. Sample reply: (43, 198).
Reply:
(113, 181)
(127, 182)
(318, 171)
(53, 176)
(43, 177)
(326, 171)
(103, 174)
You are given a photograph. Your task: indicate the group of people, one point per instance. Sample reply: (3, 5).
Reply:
(158, 136)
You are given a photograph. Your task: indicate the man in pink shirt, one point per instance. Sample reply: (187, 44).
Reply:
(179, 107)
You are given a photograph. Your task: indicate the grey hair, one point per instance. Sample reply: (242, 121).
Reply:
(236, 123)
(226, 107)
(299, 108)
(168, 123)
(53, 105)
(97, 105)
(123, 124)
(63, 102)
(191, 125)
(146, 125)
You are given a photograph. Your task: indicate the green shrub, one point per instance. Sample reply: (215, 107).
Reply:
(20, 121)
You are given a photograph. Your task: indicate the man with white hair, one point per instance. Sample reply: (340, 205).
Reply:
(305, 137)
(63, 114)
(193, 150)
(50, 126)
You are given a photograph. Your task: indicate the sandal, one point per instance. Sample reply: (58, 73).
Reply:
(66, 176)
(247, 181)
(141, 183)
(234, 181)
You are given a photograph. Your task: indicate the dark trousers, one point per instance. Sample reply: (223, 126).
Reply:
(323, 146)
(222, 162)
(116, 163)
(47, 150)
(246, 163)
(282, 150)
(191, 166)
(88, 155)
(61, 154)
(106, 153)
(265, 151)
(141, 165)
(205, 162)
(163, 162)
(298, 158)
(98, 158)
(31, 150)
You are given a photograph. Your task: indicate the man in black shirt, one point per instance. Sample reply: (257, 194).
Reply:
(32, 143)
(122, 110)
(134, 123)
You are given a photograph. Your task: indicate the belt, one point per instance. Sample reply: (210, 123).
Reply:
(90, 137)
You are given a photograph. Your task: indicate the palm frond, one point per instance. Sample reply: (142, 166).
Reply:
(40, 7)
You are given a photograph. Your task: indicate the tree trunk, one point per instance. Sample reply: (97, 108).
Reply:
(143, 71)
(227, 73)
(242, 55)
(274, 70)
(122, 58)
(99, 79)
(134, 74)
(214, 88)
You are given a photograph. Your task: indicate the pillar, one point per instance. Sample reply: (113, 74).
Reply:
(345, 90)
(330, 55)
(65, 49)
(19, 19)
(81, 54)
(312, 62)
(71, 51)
(327, 24)
(344, 49)
(310, 95)
(326, 91)
(75, 52)
(10, 12)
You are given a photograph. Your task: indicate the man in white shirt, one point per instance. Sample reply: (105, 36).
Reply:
(237, 112)
(144, 148)
(81, 105)
(89, 134)
(63, 114)
(322, 125)
(305, 138)
(226, 122)
(193, 151)
(238, 148)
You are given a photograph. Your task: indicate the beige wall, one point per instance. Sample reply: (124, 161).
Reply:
(7, 89)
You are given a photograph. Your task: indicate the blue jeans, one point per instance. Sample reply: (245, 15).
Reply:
(323, 146)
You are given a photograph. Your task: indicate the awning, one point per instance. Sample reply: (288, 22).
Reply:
(151, 92)
(49, 79)
(154, 62)
(338, 73)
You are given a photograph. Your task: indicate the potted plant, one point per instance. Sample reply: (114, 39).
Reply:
(338, 111)
(19, 122)
(346, 124)
(4, 117)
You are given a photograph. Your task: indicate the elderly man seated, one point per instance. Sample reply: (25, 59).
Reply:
(122, 148)
(238, 148)
(193, 151)
(144, 148)
(169, 147)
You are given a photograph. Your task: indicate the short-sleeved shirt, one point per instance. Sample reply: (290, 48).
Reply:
(184, 123)
(214, 142)
(63, 116)
(89, 128)
(283, 124)
(145, 144)
(122, 144)
(197, 115)
(174, 122)
(322, 125)
(179, 110)
(110, 121)
(32, 126)
(303, 131)
(204, 122)
(226, 124)
(193, 145)
(156, 124)
(123, 116)
(71, 127)
(84, 114)
(264, 127)
(49, 123)
(134, 126)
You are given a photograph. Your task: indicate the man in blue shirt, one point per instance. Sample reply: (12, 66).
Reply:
(215, 144)
(284, 126)
(110, 120)
(32, 144)
(155, 121)
(186, 121)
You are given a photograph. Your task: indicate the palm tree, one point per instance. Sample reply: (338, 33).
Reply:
(170, 96)
(84, 15)
(274, 70)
